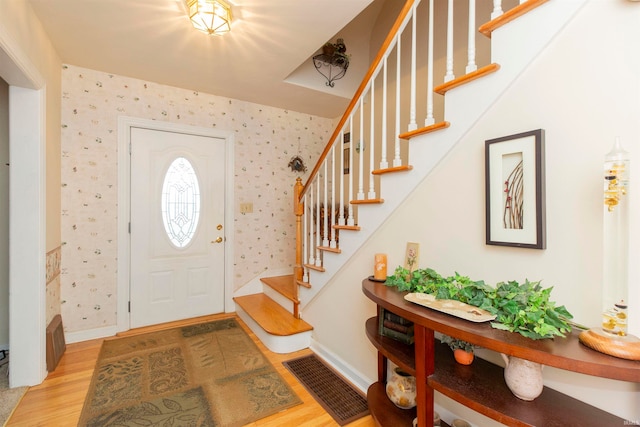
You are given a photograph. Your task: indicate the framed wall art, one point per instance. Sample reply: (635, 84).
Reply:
(412, 256)
(515, 190)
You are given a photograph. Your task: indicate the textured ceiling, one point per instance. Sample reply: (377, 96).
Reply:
(269, 44)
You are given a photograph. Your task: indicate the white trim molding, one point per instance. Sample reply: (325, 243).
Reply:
(27, 273)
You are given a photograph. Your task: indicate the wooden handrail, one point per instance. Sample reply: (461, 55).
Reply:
(356, 97)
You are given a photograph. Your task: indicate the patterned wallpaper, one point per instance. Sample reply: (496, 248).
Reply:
(53, 284)
(265, 140)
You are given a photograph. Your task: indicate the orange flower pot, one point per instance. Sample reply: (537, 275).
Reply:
(463, 357)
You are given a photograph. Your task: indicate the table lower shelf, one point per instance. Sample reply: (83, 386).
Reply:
(385, 413)
(481, 387)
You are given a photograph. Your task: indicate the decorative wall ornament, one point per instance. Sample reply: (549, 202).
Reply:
(297, 164)
(333, 62)
(616, 240)
(612, 337)
(515, 187)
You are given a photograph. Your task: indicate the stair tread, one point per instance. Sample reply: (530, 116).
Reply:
(427, 129)
(469, 77)
(488, 28)
(284, 285)
(271, 316)
(314, 267)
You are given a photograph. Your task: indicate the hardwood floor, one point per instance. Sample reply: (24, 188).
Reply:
(58, 400)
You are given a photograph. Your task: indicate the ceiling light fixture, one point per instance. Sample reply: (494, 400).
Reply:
(210, 16)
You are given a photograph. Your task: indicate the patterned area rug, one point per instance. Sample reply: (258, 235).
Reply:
(9, 397)
(211, 374)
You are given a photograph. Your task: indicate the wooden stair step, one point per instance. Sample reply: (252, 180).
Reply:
(271, 316)
(346, 227)
(475, 75)
(427, 129)
(367, 201)
(329, 249)
(404, 168)
(488, 28)
(284, 285)
(314, 267)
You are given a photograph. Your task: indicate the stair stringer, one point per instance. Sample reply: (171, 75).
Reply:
(513, 47)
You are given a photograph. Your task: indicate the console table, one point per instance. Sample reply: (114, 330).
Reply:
(480, 386)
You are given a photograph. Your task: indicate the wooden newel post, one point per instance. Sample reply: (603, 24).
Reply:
(298, 210)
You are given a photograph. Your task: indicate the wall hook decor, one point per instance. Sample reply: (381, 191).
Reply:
(297, 164)
(333, 62)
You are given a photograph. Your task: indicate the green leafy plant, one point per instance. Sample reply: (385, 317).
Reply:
(524, 308)
(455, 344)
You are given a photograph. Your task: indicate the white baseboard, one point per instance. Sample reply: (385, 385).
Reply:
(356, 378)
(90, 334)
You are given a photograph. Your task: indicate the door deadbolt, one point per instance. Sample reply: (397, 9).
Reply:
(218, 240)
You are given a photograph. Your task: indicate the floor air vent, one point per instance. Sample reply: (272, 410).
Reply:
(55, 342)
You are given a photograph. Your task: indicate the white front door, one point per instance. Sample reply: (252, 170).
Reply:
(177, 226)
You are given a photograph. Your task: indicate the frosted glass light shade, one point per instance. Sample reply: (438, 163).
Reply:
(210, 16)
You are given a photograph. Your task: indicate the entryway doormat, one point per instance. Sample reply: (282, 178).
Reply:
(340, 399)
(209, 374)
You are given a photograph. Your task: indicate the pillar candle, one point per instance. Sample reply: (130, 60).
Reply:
(380, 272)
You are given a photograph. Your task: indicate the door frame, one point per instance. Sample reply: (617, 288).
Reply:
(124, 206)
(27, 210)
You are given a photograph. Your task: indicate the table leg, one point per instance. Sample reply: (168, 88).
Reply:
(425, 366)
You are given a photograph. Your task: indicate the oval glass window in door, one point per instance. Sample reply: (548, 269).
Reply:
(180, 202)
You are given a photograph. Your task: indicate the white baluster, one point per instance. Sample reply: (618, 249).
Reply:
(429, 120)
(497, 9)
(372, 142)
(332, 240)
(350, 217)
(318, 224)
(325, 217)
(360, 195)
(310, 208)
(305, 240)
(396, 156)
(471, 49)
(449, 76)
(341, 218)
(384, 164)
(412, 110)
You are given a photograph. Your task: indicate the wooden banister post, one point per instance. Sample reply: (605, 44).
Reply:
(298, 210)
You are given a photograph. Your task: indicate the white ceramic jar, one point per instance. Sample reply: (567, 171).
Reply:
(523, 377)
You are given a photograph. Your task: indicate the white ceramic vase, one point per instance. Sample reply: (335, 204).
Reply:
(523, 377)
(401, 389)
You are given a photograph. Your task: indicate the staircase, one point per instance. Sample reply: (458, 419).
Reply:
(336, 212)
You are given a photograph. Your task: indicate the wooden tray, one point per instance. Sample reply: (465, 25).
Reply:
(452, 307)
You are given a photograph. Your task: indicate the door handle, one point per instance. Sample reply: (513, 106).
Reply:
(218, 240)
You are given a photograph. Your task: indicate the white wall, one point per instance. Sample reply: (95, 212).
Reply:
(583, 90)
(4, 215)
(21, 30)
